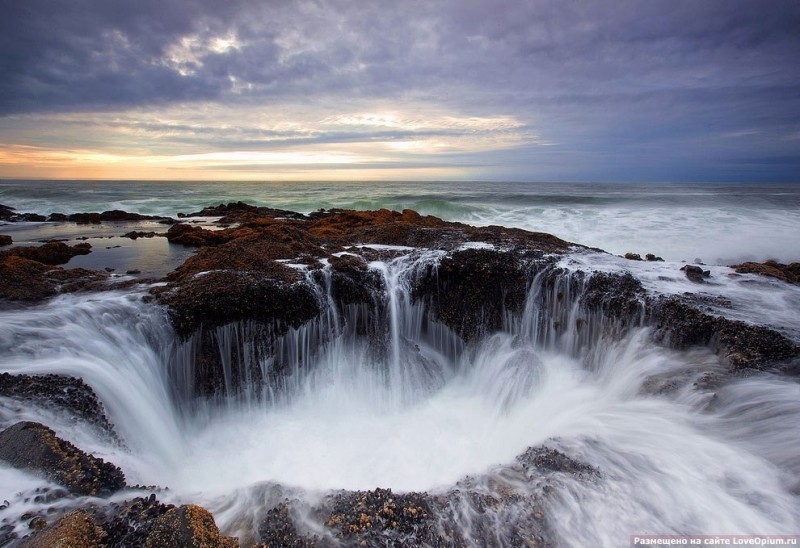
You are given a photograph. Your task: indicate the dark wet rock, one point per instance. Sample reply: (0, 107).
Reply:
(379, 517)
(352, 282)
(5, 240)
(680, 325)
(695, 273)
(77, 529)
(115, 215)
(381, 513)
(50, 253)
(217, 298)
(23, 279)
(187, 526)
(128, 524)
(788, 273)
(541, 459)
(136, 234)
(34, 447)
(279, 528)
(470, 290)
(633, 256)
(238, 212)
(650, 257)
(195, 236)
(8, 213)
(58, 391)
(618, 295)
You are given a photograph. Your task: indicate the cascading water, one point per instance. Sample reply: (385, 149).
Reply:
(326, 406)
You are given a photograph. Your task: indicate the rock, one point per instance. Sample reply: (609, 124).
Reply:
(129, 523)
(680, 325)
(633, 256)
(620, 296)
(77, 529)
(788, 273)
(237, 212)
(548, 459)
(59, 391)
(23, 279)
(471, 290)
(651, 257)
(6, 212)
(364, 516)
(50, 253)
(188, 526)
(115, 215)
(695, 273)
(278, 528)
(136, 234)
(34, 447)
(195, 236)
(5, 240)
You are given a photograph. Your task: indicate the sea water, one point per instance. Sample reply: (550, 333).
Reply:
(685, 459)
(718, 223)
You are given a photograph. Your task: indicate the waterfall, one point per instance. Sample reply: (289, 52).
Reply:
(385, 394)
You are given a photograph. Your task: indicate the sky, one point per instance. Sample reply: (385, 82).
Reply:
(622, 90)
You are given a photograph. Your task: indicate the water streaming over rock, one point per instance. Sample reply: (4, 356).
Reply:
(384, 394)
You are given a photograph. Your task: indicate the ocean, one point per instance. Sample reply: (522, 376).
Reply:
(670, 452)
(718, 223)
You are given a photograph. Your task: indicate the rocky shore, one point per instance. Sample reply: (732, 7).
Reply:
(265, 266)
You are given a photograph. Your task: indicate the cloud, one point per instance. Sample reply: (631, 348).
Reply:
(551, 83)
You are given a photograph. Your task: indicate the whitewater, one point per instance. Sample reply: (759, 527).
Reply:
(672, 454)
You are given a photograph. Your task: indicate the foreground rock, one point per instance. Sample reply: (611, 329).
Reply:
(507, 510)
(134, 523)
(34, 447)
(187, 526)
(76, 529)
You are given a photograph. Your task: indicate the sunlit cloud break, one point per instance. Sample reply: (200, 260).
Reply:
(456, 89)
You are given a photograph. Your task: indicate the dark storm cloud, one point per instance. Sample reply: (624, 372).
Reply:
(591, 77)
(101, 53)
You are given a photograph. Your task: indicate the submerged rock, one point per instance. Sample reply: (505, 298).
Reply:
(35, 447)
(59, 391)
(680, 325)
(5, 240)
(695, 273)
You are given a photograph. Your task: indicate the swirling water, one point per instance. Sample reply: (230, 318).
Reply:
(427, 414)
(674, 457)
